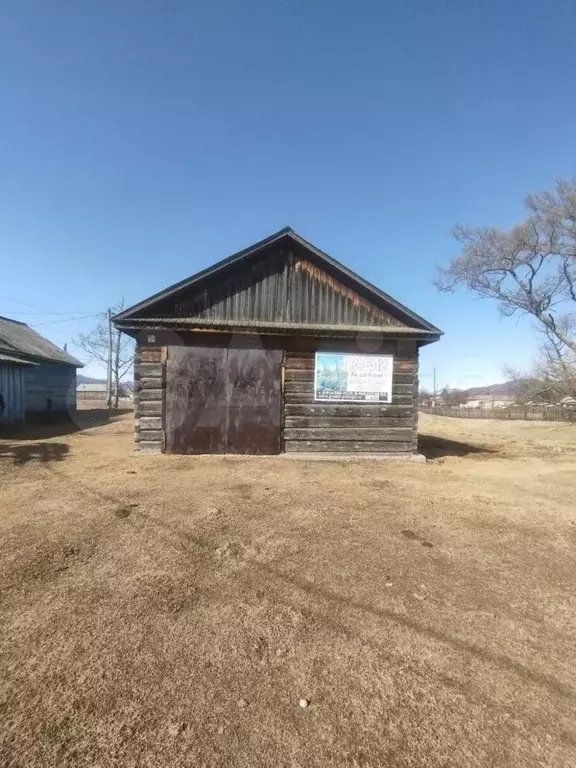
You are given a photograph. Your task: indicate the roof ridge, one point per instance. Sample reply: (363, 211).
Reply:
(11, 320)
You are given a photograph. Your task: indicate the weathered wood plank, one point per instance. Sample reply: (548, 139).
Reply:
(291, 387)
(303, 345)
(145, 383)
(404, 366)
(295, 363)
(338, 410)
(149, 370)
(151, 394)
(393, 434)
(150, 408)
(298, 386)
(149, 422)
(307, 375)
(338, 422)
(300, 398)
(347, 446)
(402, 389)
(145, 435)
(150, 446)
(149, 355)
(305, 361)
(298, 374)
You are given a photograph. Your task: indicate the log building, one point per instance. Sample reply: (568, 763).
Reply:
(277, 348)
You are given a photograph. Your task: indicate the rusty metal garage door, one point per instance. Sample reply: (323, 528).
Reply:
(223, 399)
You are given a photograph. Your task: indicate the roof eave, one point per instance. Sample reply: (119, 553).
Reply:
(201, 325)
(14, 360)
(37, 360)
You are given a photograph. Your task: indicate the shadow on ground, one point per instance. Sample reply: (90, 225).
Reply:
(434, 447)
(24, 453)
(56, 425)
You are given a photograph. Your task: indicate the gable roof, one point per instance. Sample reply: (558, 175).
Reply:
(22, 344)
(143, 312)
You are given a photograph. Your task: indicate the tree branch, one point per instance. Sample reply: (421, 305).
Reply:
(530, 268)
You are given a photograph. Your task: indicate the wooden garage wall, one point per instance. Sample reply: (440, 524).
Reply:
(311, 426)
(149, 398)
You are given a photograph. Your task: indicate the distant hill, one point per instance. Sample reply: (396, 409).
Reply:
(87, 380)
(506, 388)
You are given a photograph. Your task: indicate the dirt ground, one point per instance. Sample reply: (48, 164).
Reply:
(172, 611)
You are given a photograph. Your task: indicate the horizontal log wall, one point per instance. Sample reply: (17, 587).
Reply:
(313, 426)
(149, 398)
(308, 425)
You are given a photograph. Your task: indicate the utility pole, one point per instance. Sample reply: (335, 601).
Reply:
(109, 376)
(434, 388)
(116, 369)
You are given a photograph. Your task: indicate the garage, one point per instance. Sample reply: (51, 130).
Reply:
(277, 348)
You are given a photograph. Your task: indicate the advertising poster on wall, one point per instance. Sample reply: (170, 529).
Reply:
(353, 378)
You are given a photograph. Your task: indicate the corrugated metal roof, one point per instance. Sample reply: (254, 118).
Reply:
(16, 360)
(19, 340)
(200, 323)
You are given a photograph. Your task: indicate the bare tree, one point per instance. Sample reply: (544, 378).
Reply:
(453, 397)
(530, 268)
(534, 388)
(557, 361)
(106, 344)
(425, 397)
(553, 375)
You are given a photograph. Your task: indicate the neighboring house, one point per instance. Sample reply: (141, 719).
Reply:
(568, 402)
(491, 401)
(98, 390)
(12, 387)
(36, 376)
(277, 348)
(92, 391)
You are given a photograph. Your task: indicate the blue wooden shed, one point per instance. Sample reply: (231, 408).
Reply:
(36, 376)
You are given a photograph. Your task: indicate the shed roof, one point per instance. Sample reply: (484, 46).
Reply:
(14, 360)
(24, 344)
(152, 311)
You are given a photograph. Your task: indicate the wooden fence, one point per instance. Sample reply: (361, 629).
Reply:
(518, 413)
(82, 394)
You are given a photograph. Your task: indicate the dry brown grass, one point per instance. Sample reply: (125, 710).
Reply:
(426, 611)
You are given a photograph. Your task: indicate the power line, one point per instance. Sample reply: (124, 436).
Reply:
(67, 320)
(42, 311)
(48, 314)
(22, 303)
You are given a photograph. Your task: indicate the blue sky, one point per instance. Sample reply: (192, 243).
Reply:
(141, 140)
